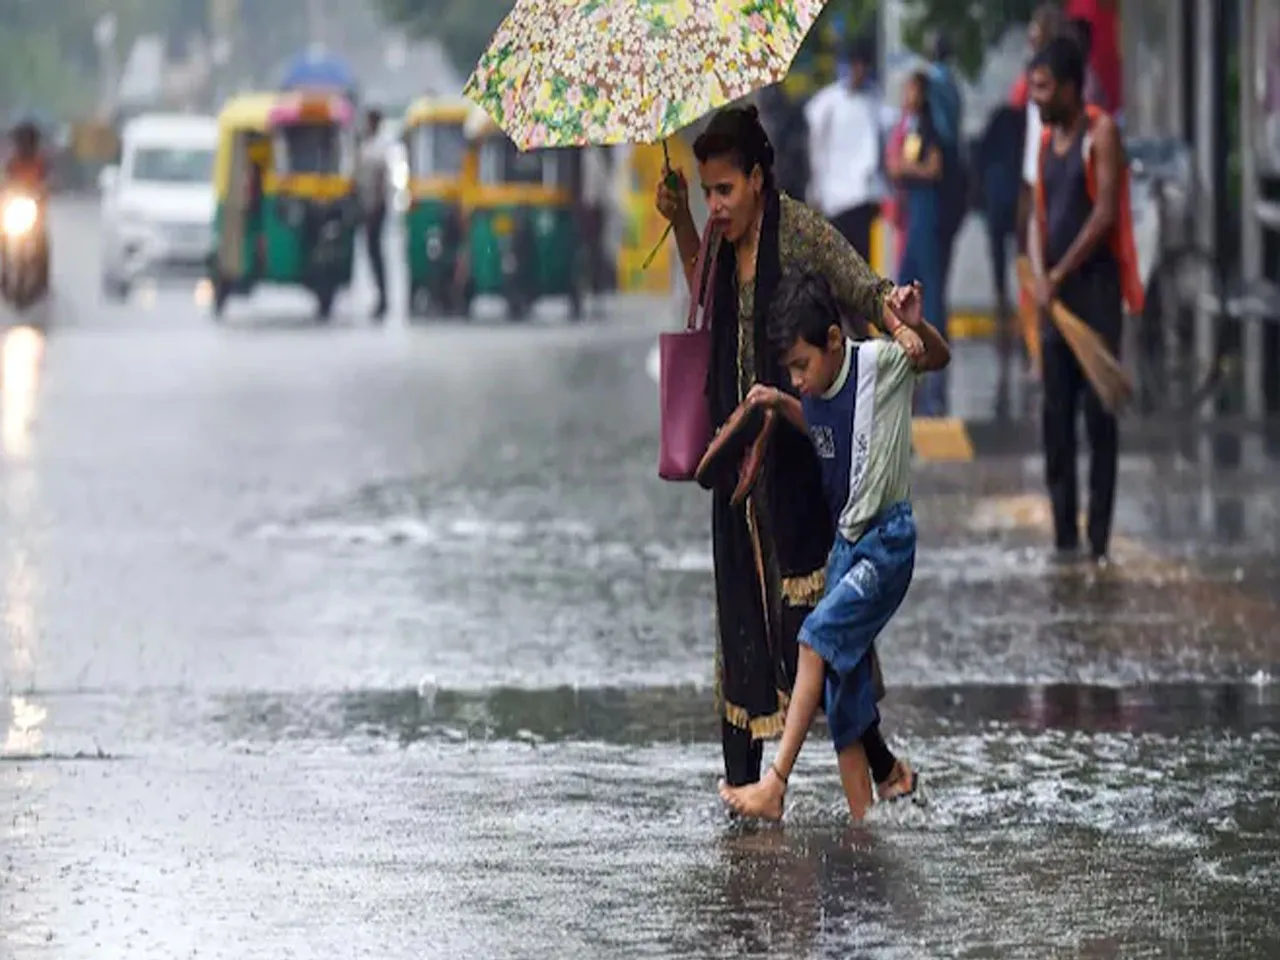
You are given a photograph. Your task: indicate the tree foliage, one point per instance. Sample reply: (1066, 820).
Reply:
(465, 26)
(48, 57)
(462, 26)
(972, 26)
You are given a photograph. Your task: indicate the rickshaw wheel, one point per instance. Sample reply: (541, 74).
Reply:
(420, 301)
(324, 305)
(518, 307)
(575, 302)
(221, 294)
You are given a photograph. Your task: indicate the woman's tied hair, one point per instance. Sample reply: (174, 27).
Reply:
(736, 134)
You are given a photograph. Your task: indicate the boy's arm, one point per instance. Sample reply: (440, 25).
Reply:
(937, 352)
(908, 306)
(771, 398)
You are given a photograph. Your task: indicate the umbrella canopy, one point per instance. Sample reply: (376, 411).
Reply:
(575, 72)
(317, 69)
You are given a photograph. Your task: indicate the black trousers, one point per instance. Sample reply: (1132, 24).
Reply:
(1066, 391)
(373, 240)
(855, 226)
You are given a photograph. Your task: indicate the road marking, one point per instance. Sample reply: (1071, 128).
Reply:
(941, 440)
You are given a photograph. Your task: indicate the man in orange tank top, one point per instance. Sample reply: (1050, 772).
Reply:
(1081, 247)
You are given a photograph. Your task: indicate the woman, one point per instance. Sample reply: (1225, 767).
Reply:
(917, 170)
(770, 556)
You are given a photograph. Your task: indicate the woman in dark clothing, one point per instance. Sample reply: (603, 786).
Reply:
(770, 554)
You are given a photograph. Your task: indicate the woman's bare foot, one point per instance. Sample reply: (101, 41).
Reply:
(901, 783)
(761, 800)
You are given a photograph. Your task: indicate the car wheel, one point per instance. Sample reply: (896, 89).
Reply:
(115, 290)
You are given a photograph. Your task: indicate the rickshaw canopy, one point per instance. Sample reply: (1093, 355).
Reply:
(246, 113)
(291, 108)
(437, 110)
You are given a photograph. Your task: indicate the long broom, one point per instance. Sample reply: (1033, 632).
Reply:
(1109, 380)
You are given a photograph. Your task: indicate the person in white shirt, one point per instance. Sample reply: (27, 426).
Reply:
(372, 184)
(845, 121)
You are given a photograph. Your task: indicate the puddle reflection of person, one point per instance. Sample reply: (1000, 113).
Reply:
(785, 894)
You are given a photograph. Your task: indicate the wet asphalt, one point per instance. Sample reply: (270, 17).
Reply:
(388, 642)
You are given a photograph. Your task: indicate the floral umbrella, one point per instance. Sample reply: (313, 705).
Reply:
(564, 73)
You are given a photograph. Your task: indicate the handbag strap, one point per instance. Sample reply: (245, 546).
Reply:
(704, 287)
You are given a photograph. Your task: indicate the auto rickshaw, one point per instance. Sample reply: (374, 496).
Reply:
(440, 167)
(287, 209)
(522, 231)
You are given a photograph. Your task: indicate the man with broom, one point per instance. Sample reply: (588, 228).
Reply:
(1082, 256)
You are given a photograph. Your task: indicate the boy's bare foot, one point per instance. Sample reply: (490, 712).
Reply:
(761, 800)
(902, 783)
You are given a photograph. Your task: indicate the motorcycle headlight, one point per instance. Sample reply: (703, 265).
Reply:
(20, 215)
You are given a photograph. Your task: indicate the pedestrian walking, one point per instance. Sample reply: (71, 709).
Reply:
(372, 182)
(845, 120)
(770, 551)
(917, 171)
(854, 404)
(1081, 248)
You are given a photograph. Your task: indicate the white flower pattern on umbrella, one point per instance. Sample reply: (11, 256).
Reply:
(573, 72)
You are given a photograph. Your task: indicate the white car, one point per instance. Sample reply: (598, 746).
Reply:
(158, 205)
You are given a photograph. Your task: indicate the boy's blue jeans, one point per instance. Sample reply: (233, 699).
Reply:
(866, 583)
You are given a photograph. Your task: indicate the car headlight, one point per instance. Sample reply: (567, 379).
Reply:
(20, 215)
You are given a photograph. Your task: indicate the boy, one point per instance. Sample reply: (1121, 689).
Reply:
(856, 408)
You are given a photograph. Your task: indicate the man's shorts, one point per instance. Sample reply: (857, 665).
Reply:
(866, 583)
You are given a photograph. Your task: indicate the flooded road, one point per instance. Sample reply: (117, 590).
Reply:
(360, 642)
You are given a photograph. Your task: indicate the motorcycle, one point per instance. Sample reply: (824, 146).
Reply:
(23, 250)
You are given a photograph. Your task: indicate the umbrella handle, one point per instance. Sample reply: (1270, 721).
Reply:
(670, 179)
(672, 183)
(648, 261)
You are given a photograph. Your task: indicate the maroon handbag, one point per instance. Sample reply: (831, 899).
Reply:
(684, 356)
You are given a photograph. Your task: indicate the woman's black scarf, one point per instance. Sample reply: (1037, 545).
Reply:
(799, 519)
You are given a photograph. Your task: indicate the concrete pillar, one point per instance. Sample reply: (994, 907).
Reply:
(1251, 228)
(1207, 101)
(1175, 74)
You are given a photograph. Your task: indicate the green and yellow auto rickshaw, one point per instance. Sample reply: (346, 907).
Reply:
(522, 231)
(440, 167)
(287, 208)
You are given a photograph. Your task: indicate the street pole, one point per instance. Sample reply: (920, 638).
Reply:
(104, 38)
(315, 24)
(1207, 102)
(1251, 229)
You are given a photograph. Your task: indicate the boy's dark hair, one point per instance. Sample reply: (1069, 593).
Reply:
(804, 308)
(736, 134)
(1064, 60)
